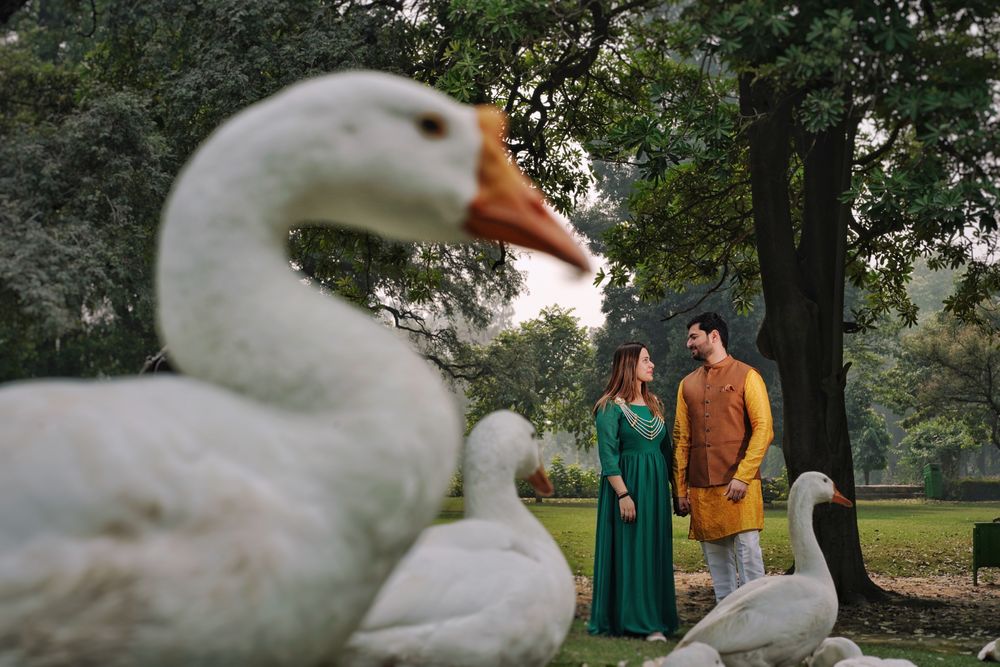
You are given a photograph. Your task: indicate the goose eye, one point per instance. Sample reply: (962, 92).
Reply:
(432, 126)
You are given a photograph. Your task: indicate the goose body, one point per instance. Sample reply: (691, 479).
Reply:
(990, 652)
(779, 621)
(248, 512)
(491, 590)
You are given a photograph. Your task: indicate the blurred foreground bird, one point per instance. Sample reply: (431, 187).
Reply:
(248, 512)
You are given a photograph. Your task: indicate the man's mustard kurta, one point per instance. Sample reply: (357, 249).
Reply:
(722, 429)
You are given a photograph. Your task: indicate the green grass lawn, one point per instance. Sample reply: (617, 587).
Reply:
(899, 538)
(894, 535)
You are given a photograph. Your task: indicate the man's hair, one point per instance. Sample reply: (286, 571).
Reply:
(709, 322)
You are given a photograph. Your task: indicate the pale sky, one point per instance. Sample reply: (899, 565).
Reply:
(550, 281)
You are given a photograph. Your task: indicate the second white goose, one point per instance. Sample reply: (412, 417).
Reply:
(491, 590)
(778, 621)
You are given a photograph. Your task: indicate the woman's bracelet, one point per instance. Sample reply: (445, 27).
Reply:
(625, 495)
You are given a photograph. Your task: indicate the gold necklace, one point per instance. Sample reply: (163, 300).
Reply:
(647, 428)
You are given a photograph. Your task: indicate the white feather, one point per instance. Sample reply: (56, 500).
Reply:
(778, 621)
(831, 651)
(872, 661)
(493, 589)
(990, 652)
(694, 654)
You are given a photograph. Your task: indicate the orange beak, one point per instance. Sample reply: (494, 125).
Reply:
(839, 498)
(507, 207)
(540, 483)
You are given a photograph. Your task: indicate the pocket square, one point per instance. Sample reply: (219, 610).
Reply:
(729, 387)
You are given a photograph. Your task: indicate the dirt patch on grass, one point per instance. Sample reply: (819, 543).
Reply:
(943, 612)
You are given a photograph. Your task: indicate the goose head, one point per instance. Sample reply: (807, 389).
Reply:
(814, 488)
(503, 446)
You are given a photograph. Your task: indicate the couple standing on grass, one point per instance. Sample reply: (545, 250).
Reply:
(722, 428)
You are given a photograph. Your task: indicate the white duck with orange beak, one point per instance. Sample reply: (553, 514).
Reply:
(491, 590)
(247, 512)
(779, 621)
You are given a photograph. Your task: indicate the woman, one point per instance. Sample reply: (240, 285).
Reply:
(633, 563)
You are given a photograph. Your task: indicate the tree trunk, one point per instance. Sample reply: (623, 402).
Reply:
(867, 473)
(804, 296)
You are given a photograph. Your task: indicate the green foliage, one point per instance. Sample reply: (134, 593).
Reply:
(102, 102)
(923, 180)
(775, 488)
(83, 177)
(866, 387)
(947, 369)
(872, 445)
(569, 481)
(543, 371)
(573, 481)
(938, 440)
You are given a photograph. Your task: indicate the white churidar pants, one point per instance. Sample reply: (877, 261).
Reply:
(733, 561)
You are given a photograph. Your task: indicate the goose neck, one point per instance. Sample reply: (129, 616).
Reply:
(492, 495)
(809, 559)
(234, 313)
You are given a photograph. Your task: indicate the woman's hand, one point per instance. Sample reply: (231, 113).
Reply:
(627, 509)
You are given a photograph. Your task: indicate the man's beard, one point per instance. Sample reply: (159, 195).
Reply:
(697, 356)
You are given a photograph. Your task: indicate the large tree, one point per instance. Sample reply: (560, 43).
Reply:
(808, 145)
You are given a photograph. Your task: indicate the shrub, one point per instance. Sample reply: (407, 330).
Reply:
(775, 488)
(969, 489)
(586, 482)
(455, 488)
(572, 481)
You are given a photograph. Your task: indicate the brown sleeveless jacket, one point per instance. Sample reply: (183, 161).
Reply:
(717, 417)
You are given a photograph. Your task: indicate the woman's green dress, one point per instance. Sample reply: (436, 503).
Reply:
(633, 562)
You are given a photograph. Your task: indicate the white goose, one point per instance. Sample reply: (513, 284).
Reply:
(694, 654)
(872, 661)
(493, 589)
(247, 514)
(832, 650)
(778, 621)
(990, 652)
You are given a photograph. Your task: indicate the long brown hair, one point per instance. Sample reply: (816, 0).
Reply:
(622, 382)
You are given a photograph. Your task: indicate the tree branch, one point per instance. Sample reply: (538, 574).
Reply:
(712, 290)
(881, 150)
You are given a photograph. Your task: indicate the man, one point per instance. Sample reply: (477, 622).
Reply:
(722, 429)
